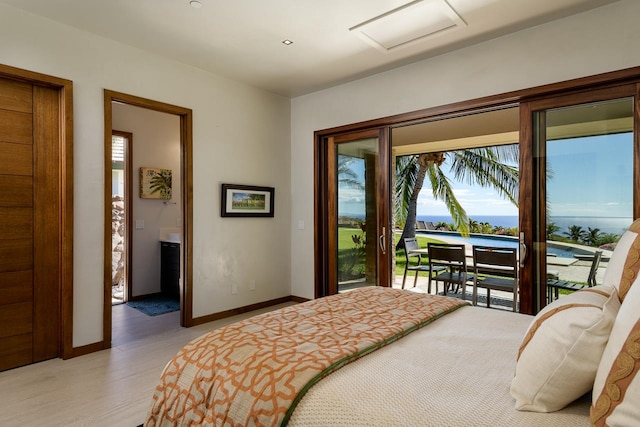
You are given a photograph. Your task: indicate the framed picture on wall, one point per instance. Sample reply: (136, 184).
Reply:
(155, 183)
(246, 201)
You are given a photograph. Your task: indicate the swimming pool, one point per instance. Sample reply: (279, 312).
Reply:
(506, 241)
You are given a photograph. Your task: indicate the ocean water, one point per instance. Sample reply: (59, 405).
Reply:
(605, 224)
(615, 225)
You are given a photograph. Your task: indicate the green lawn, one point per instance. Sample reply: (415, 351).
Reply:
(400, 258)
(348, 248)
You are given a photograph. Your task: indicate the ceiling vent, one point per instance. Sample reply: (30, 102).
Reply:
(408, 24)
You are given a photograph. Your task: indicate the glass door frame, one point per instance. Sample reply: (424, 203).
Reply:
(326, 280)
(533, 181)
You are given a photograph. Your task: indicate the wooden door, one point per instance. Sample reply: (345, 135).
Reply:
(30, 230)
(355, 213)
(579, 174)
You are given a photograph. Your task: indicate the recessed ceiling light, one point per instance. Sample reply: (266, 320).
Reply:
(196, 4)
(287, 42)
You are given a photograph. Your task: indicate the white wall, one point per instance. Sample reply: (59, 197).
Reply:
(601, 40)
(240, 135)
(156, 143)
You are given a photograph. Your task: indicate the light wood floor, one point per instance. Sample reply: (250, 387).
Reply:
(108, 388)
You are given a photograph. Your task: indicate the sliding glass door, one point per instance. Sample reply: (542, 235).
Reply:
(579, 184)
(358, 233)
(579, 174)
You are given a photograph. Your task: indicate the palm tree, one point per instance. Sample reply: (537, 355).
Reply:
(486, 167)
(592, 236)
(485, 228)
(161, 182)
(257, 200)
(347, 176)
(575, 233)
(442, 226)
(552, 228)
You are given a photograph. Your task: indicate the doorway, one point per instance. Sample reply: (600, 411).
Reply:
(121, 210)
(456, 182)
(362, 195)
(184, 182)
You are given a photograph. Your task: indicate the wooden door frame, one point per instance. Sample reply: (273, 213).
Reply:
(326, 208)
(186, 154)
(528, 300)
(64, 90)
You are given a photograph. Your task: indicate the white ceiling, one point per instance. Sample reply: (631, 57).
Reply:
(334, 41)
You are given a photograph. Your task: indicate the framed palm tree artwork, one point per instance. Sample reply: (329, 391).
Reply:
(155, 183)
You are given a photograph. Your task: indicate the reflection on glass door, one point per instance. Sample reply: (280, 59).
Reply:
(586, 151)
(358, 230)
(357, 213)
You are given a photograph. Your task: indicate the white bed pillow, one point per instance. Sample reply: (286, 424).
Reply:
(616, 391)
(561, 351)
(622, 268)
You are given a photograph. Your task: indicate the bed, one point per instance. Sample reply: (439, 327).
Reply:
(454, 372)
(458, 366)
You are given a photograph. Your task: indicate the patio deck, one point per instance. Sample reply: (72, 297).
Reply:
(499, 300)
(575, 271)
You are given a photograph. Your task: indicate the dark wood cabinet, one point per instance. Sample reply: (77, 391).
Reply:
(170, 269)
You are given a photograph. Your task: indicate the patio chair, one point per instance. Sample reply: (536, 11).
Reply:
(495, 268)
(410, 245)
(452, 260)
(554, 285)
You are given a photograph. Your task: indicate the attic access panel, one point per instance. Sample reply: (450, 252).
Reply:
(409, 23)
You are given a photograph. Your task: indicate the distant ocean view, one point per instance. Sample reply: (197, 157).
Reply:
(615, 225)
(605, 224)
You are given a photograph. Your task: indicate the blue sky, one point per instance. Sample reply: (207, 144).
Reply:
(591, 177)
(475, 200)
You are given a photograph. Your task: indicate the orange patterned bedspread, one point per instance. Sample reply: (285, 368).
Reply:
(255, 371)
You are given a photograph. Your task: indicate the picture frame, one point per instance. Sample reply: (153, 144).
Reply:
(155, 183)
(246, 201)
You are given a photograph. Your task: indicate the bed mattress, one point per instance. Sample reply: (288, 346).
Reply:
(454, 372)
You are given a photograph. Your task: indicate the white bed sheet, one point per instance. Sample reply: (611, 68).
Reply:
(454, 372)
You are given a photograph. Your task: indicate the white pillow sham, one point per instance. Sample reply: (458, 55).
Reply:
(561, 351)
(624, 264)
